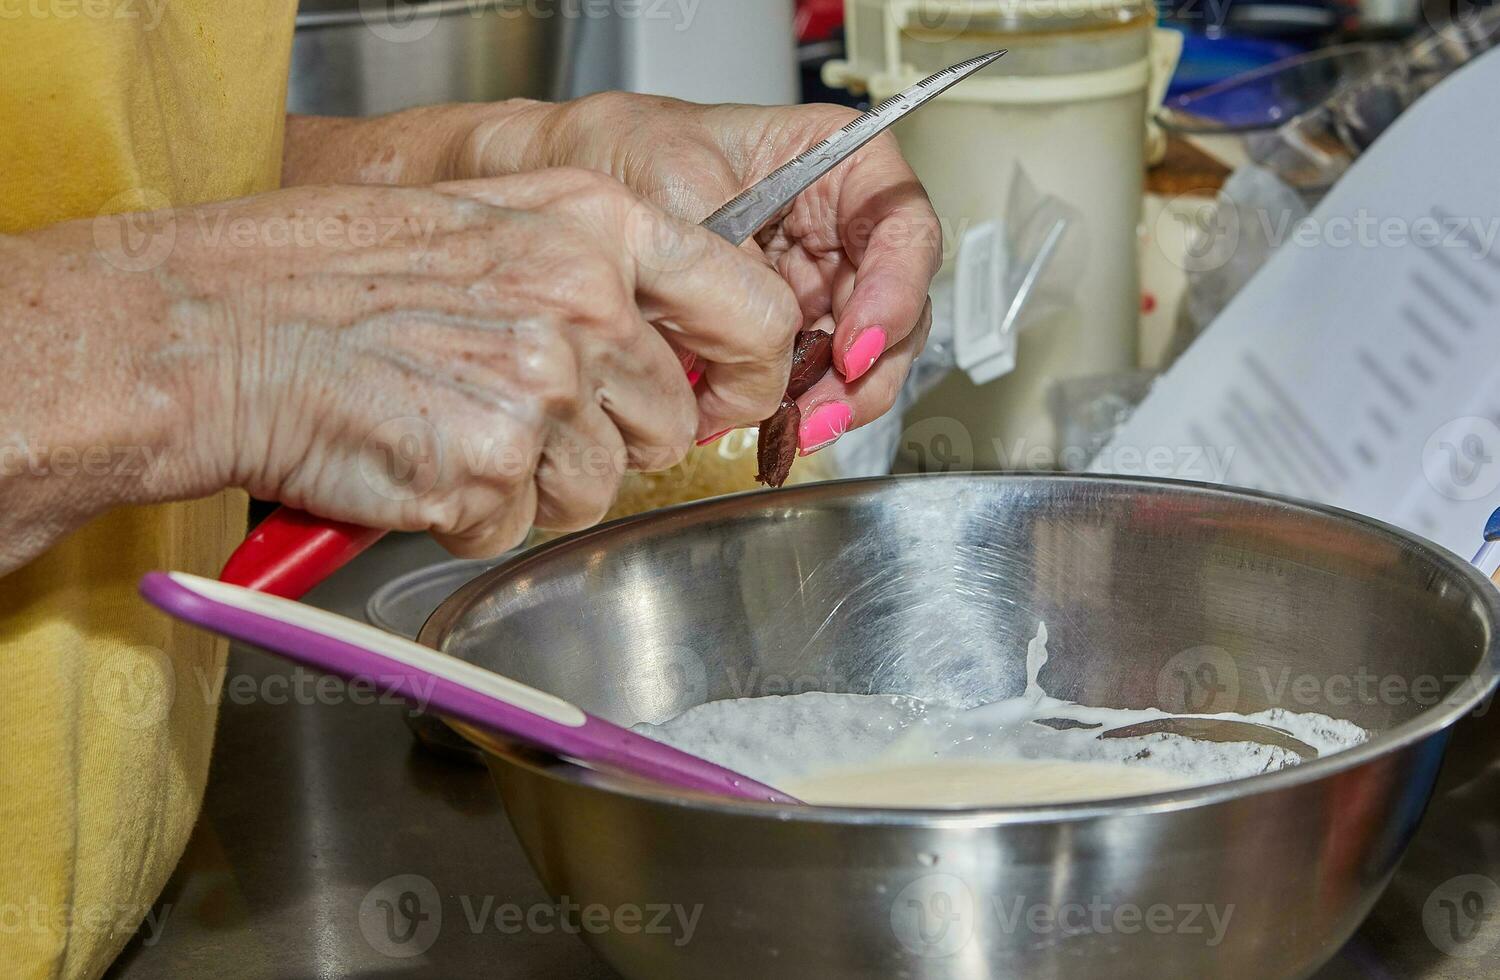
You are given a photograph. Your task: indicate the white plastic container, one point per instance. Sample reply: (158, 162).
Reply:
(1068, 105)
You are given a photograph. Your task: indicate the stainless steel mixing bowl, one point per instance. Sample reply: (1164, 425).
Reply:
(1154, 593)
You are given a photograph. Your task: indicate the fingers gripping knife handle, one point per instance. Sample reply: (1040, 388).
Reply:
(290, 552)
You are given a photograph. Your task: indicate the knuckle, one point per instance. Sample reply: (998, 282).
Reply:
(618, 331)
(754, 403)
(679, 426)
(469, 514)
(603, 497)
(781, 319)
(551, 376)
(584, 280)
(596, 185)
(884, 390)
(498, 454)
(583, 502)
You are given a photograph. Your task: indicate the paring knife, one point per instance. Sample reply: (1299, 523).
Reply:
(290, 552)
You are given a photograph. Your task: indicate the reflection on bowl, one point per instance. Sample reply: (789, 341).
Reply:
(1155, 594)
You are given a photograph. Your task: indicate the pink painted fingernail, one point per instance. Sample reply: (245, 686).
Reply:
(695, 376)
(823, 427)
(863, 353)
(714, 438)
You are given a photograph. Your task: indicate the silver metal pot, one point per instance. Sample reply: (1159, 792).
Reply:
(1174, 595)
(367, 57)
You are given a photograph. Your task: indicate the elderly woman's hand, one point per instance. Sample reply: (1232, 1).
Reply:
(859, 249)
(467, 358)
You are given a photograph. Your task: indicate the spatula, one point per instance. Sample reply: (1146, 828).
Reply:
(334, 644)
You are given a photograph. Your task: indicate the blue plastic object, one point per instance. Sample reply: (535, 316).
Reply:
(1209, 60)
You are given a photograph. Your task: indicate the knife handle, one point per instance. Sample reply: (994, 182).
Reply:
(292, 551)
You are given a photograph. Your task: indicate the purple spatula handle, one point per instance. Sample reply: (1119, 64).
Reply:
(356, 651)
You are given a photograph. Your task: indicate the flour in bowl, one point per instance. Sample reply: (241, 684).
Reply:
(896, 751)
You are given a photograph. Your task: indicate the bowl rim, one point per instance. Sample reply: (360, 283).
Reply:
(1434, 720)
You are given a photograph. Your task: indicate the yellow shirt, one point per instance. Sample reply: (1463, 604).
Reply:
(109, 708)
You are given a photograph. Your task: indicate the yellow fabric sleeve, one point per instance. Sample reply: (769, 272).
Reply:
(106, 105)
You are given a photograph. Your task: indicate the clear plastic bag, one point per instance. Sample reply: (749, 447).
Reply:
(1314, 149)
(1009, 276)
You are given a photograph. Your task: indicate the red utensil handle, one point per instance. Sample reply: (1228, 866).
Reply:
(292, 551)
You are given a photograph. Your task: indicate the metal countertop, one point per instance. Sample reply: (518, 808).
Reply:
(314, 801)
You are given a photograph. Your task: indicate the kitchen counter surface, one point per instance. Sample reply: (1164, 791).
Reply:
(332, 845)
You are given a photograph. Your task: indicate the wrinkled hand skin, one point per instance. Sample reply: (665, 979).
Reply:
(859, 248)
(468, 359)
(504, 374)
